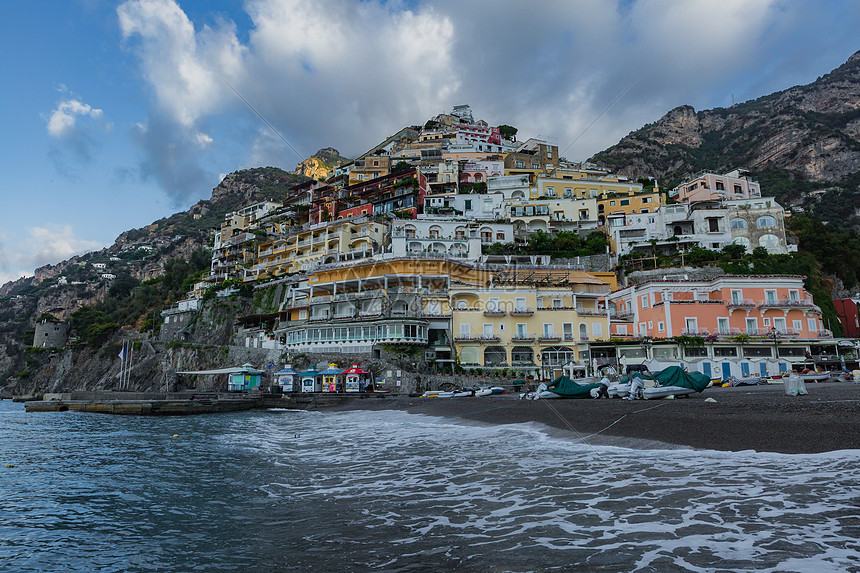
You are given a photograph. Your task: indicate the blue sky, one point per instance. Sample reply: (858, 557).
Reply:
(118, 113)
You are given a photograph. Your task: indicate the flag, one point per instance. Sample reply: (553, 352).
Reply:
(122, 352)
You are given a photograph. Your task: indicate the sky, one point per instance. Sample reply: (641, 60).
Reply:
(117, 113)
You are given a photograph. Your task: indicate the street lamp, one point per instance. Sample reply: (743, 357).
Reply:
(773, 334)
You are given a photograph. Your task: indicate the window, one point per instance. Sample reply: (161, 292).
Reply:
(810, 325)
(465, 329)
(692, 324)
(550, 191)
(752, 326)
(583, 213)
(738, 223)
(720, 186)
(770, 296)
(488, 330)
(520, 303)
(650, 325)
(644, 301)
(738, 189)
(765, 221)
(622, 328)
(723, 325)
(500, 236)
(548, 330)
(742, 241)
(612, 203)
(793, 295)
(568, 192)
(467, 204)
(779, 325)
(625, 202)
(797, 325)
(642, 329)
(768, 241)
(660, 326)
(713, 225)
(725, 352)
(556, 303)
(646, 199)
(668, 295)
(522, 331)
(596, 329)
(765, 321)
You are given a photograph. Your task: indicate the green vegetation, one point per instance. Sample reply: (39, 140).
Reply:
(128, 301)
(508, 132)
(564, 245)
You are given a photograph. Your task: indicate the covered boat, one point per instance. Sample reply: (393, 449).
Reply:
(565, 387)
(673, 380)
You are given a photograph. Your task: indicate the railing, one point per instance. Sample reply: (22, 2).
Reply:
(782, 302)
(590, 312)
(549, 338)
(321, 298)
(570, 337)
(825, 334)
(741, 303)
(523, 338)
(522, 363)
(497, 312)
(476, 338)
(695, 332)
(465, 309)
(729, 331)
(522, 312)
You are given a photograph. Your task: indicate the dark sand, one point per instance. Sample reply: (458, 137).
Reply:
(760, 418)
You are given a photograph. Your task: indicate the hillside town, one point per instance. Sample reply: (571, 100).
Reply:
(408, 249)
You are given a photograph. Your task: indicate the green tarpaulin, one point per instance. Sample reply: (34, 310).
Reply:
(675, 376)
(567, 388)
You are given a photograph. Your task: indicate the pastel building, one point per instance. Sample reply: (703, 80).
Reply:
(531, 329)
(725, 306)
(707, 186)
(728, 326)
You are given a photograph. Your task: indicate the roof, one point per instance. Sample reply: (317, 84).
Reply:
(355, 369)
(244, 369)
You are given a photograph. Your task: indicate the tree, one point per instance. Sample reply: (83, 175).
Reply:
(508, 132)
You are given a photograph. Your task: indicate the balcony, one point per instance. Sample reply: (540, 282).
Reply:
(741, 303)
(825, 334)
(522, 312)
(496, 312)
(523, 338)
(729, 332)
(476, 338)
(787, 303)
(570, 337)
(590, 312)
(695, 332)
(547, 338)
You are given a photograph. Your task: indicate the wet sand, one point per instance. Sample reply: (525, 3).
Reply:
(760, 418)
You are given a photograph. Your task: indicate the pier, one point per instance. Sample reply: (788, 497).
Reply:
(184, 403)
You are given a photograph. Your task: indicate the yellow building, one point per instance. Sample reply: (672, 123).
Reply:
(534, 322)
(617, 203)
(336, 241)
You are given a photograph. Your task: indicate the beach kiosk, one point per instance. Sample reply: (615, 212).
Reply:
(244, 378)
(287, 379)
(310, 380)
(330, 378)
(355, 379)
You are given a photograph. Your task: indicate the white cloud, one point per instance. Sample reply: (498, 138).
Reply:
(62, 119)
(347, 74)
(41, 246)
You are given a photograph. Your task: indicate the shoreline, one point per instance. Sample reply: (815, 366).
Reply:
(760, 418)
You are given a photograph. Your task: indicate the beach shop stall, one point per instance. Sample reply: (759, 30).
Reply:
(244, 378)
(287, 379)
(355, 379)
(330, 378)
(311, 381)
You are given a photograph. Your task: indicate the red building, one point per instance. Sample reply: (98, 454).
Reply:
(846, 310)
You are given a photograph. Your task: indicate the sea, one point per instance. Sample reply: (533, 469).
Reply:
(283, 490)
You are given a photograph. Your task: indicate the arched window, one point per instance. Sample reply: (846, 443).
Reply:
(742, 241)
(738, 223)
(765, 221)
(435, 232)
(768, 241)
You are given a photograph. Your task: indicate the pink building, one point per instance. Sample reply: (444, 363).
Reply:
(726, 306)
(707, 186)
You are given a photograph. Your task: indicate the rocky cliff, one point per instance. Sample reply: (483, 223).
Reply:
(321, 164)
(803, 144)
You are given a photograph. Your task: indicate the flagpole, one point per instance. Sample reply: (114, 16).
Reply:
(130, 360)
(121, 364)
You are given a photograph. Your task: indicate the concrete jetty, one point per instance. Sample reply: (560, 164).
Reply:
(183, 403)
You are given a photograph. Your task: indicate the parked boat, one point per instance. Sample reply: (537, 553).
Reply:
(815, 376)
(746, 381)
(489, 391)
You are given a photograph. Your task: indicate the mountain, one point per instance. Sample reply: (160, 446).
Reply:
(802, 144)
(146, 255)
(321, 164)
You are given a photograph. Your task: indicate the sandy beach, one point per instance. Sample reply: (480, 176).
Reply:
(760, 418)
